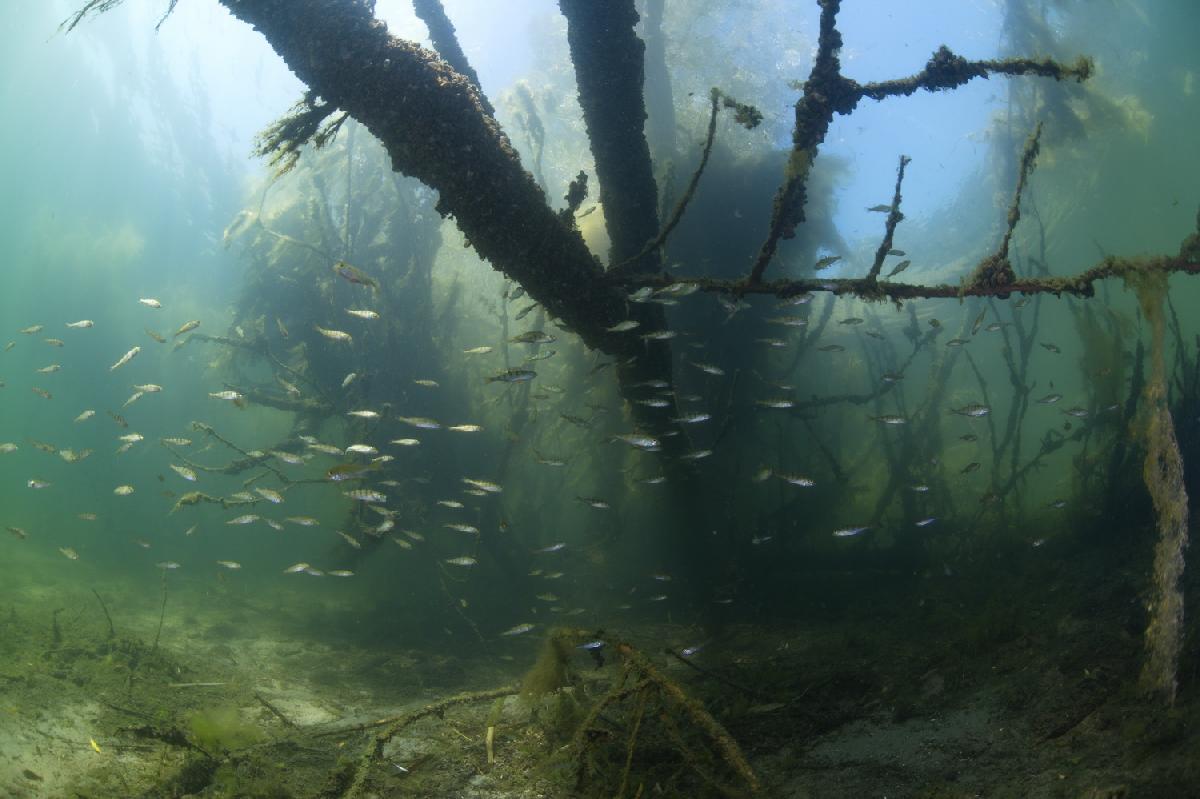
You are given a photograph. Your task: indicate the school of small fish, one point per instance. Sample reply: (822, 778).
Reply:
(368, 460)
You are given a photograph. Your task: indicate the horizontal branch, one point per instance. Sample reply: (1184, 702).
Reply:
(1080, 285)
(945, 70)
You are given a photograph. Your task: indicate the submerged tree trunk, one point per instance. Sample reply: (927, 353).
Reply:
(609, 62)
(434, 126)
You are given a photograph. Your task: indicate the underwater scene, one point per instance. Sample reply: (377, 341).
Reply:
(624, 399)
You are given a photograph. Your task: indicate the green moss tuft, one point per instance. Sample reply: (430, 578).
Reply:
(222, 729)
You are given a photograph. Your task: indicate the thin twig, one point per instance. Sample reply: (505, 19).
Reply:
(111, 632)
(893, 219)
(162, 614)
(681, 206)
(276, 712)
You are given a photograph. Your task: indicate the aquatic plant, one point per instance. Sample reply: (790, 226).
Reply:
(222, 729)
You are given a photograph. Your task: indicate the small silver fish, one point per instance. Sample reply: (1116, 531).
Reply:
(365, 495)
(420, 422)
(533, 337)
(124, 359)
(483, 485)
(514, 375)
(335, 335)
(890, 419)
(270, 495)
(708, 368)
(184, 472)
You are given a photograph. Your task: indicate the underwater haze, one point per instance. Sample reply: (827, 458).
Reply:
(625, 399)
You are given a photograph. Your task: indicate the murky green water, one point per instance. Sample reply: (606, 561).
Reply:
(283, 457)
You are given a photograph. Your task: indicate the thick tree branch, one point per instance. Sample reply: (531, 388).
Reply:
(445, 41)
(435, 126)
(609, 60)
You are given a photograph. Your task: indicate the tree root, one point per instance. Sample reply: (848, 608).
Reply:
(393, 725)
(644, 681)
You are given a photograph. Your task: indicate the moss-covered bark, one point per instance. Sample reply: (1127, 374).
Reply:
(445, 41)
